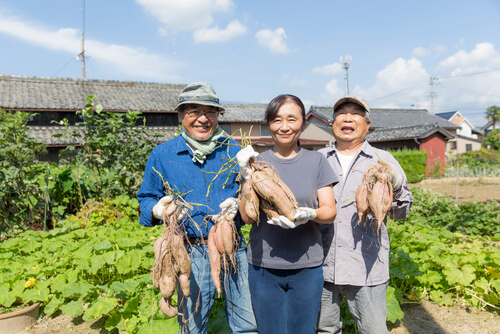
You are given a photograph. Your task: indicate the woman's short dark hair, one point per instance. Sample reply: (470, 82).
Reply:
(280, 100)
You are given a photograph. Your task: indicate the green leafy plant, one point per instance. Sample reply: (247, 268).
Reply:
(21, 199)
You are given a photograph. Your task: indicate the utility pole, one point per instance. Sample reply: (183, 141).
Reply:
(346, 62)
(81, 55)
(433, 81)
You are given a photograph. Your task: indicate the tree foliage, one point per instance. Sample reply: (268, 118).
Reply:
(493, 114)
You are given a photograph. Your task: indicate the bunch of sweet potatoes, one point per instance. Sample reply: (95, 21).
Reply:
(265, 190)
(374, 194)
(172, 264)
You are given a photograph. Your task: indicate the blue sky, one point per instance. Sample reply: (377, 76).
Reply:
(252, 51)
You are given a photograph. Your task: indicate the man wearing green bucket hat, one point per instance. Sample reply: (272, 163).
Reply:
(188, 164)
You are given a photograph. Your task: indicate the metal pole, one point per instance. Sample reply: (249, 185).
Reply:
(82, 36)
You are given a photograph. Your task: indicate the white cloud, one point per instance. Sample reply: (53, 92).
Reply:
(400, 84)
(273, 40)
(124, 59)
(179, 15)
(332, 93)
(211, 35)
(474, 78)
(330, 69)
(420, 52)
(66, 39)
(483, 57)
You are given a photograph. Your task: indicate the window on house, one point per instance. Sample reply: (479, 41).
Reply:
(226, 128)
(453, 145)
(468, 147)
(264, 130)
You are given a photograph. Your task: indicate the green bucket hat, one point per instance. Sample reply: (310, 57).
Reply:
(199, 93)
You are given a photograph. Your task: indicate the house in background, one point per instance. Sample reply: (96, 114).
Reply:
(467, 137)
(54, 99)
(396, 129)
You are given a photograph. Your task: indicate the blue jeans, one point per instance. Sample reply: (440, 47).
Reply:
(286, 301)
(366, 304)
(239, 313)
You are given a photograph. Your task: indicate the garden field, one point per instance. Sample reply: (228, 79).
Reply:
(466, 266)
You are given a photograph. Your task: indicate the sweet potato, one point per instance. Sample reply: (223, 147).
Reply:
(269, 186)
(362, 202)
(251, 201)
(167, 308)
(214, 260)
(268, 209)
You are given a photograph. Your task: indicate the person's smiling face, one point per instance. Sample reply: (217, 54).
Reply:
(288, 124)
(200, 127)
(350, 126)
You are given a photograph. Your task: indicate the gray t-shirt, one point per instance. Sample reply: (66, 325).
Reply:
(274, 247)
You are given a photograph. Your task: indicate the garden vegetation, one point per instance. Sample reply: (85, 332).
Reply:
(72, 242)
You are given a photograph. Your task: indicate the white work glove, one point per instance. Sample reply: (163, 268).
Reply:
(243, 157)
(282, 222)
(167, 203)
(395, 178)
(303, 215)
(229, 207)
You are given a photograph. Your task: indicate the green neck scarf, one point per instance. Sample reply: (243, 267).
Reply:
(202, 148)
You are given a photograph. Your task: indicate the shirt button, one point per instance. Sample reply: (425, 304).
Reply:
(209, 199)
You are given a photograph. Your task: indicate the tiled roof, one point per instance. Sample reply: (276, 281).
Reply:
(382, 118)
(45, 134)
(244, 112)
(20, 92)
(407, 132)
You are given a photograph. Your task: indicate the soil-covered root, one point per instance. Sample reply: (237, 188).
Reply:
(167, 308)
(251, 201)
(215, 265)
(271, 188)
(172, 264)
(374, 194)
(223, 241)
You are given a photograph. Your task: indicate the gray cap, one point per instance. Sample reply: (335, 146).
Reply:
(353, 99)
(199, 93)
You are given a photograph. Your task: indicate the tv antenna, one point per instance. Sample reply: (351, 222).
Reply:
(346, 62)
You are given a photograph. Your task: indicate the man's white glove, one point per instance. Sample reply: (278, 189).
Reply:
(243, 157)
(229, 207)
(303, 215)
(395, 178)
(282, 222)
(167, 203)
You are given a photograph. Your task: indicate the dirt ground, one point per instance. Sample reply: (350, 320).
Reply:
(466, 189)
(420, 318)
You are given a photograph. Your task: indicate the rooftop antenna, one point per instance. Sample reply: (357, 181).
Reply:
(81, 55)
(346, 62)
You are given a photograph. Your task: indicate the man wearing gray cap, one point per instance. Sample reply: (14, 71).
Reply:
(357, 256)
(188, 163)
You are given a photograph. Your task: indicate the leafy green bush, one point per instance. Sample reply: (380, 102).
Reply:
(21, 198)
(413, 163)
(492, 140)
(468, 218)
(114, 146)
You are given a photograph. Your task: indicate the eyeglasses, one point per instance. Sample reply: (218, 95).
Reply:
(211, 114)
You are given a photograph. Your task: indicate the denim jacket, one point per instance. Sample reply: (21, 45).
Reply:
(173, 160)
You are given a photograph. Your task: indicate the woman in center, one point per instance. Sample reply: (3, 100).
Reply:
(285, 272)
